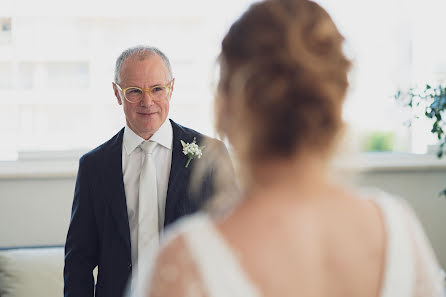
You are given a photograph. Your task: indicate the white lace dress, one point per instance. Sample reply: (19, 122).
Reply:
(411, 271)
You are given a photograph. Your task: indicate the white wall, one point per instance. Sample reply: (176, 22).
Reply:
(36, 211)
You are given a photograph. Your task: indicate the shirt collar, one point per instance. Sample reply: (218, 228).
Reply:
(163, 136)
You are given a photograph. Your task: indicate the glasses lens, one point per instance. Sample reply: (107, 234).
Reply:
(133, 94)
(159, 92)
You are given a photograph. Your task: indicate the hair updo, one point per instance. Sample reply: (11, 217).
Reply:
(283, 79)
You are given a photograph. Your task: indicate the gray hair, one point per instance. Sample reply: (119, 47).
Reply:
(142, 51)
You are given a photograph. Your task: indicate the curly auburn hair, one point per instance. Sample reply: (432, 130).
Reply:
(283, 79)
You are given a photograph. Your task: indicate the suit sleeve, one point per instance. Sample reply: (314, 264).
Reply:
(225, 173)
(220, 178)
(81, 247)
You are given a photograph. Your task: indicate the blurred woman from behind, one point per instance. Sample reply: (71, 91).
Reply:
(297, 231)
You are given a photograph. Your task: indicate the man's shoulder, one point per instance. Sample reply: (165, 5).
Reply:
(189, 134)
(181, 129)
(101, 151)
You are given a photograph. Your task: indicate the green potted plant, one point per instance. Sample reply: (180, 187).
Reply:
(429, 102)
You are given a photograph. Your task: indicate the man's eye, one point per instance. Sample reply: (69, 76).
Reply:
(157, 89)
(133, 91)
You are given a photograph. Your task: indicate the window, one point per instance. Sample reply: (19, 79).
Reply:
(56, 70)
(394, 45)
(5, 31)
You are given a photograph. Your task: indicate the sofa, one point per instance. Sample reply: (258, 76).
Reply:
(31, 271)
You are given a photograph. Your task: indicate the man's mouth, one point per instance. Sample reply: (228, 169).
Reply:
(146, 113)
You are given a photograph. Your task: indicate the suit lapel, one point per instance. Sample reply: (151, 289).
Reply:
(114, 187)
(179, 176)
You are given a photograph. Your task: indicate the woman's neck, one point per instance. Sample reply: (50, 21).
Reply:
(303, 175)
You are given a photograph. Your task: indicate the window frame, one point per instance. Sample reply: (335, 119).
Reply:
(64, 164)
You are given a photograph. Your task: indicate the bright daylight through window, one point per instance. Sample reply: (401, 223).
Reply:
(56, 70)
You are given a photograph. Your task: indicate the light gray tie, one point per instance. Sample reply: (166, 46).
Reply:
(148, 204)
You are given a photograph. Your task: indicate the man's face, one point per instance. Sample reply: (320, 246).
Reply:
(145, 117)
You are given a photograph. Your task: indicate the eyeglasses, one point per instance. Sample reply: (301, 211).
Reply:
(157, 93)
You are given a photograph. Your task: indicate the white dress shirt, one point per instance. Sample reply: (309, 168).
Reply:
(132, 160)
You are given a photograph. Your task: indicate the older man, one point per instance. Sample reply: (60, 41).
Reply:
(133, 185)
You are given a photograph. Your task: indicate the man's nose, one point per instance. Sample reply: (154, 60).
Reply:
(146, 99)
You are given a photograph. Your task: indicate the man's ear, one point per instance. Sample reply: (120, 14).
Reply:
(171, 88)
(118, 96)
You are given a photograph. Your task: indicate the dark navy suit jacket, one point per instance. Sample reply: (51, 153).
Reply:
(99, 233)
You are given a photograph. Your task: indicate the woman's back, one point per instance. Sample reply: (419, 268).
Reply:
(338, 246)
(331, 244)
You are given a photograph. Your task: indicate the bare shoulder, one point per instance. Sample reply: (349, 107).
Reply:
(175, 272)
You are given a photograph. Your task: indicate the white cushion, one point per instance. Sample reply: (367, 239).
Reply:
(31, 272)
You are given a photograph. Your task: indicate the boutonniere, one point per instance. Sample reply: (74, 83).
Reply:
(192, 150)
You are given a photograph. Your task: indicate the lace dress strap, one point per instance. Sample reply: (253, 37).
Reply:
(399, 274)
(412, 269)
(219, 267)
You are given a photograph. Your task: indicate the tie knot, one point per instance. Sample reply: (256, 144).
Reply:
(147, 146)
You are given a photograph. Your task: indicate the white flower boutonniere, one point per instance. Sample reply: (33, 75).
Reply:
(192, 150)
